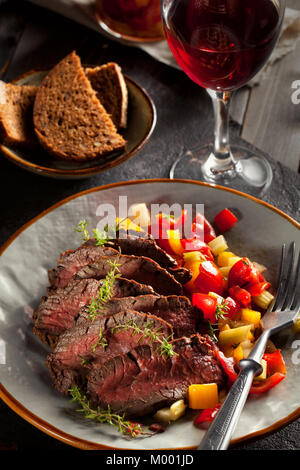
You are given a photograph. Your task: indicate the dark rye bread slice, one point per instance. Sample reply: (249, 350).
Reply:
(110, 86)
(176, 310)
(16, 112)
(141, 381)
(139, 268)
(72, 260)
(58, 312)
(100, 341)
(69, 120)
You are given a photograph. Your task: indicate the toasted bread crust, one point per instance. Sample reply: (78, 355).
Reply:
(110, 86)
(16, 110)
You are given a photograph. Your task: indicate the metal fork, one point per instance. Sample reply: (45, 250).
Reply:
(281, 314)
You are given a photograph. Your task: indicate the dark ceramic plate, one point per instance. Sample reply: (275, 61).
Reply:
(141, 122)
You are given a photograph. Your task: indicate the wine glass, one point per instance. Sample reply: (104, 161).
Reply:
(131, 21)
(220, 45)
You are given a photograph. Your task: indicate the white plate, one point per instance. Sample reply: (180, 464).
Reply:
(25, 382)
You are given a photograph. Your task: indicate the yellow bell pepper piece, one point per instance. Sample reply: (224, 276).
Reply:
(251, 316)
(127, 224)
(224, 257)
(296, 326)
(224, 327)
(194, 268)
(174, 242)
(202, 396)
(263, 375)
(238, 354)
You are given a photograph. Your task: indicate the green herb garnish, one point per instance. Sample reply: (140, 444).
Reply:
(105, 292)
(101, 340)
(125, 427)
(81, 227)
(165, 346)
(222, 310)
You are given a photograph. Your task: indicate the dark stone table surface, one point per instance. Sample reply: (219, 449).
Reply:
(33, 38)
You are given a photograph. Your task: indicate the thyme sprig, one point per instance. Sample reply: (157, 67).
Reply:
(125, 427)
(221, 310)
(81, 227)
(100, 237)
(165, 347)
(101, 341)
(212, 329)
(105, 292)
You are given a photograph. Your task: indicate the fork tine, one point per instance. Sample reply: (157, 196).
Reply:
(293, 289)
(286, 278)
(280, 278)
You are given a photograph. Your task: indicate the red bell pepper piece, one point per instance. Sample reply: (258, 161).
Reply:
(267, 384)
(207, 305)
(243, 272)
(227, 364)
(209, 278)
(195, 244)
(206, 416)
(204, 227)
(225, 220)
(241, 295)
(275, 362)
(257, 288)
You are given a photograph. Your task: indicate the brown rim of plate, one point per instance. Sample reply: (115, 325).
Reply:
(51, 430)
(81, 173)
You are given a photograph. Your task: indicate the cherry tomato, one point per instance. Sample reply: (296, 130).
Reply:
(240, 295)
(232, 307)
(257, 288)
(243, 272)
(209, 278)
(225, 220)
(207, 305)
(194, 244)
(204, 228)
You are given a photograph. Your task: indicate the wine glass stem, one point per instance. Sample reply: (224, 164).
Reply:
(221, 104)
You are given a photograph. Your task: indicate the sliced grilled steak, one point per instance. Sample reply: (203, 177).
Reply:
(141, 381)
(176, 310)
(138, 244)
(138, 268)
(57, 313)
(72, 260)
(99, 341)
(133, 243)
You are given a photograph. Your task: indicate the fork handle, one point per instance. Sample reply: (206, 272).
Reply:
(220, 431)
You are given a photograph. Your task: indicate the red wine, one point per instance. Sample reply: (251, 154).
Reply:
(221, 44)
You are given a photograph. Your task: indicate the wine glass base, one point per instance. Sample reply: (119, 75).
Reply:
(247, 170)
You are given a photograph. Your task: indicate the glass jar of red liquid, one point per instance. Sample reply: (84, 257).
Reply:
(131, 20)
